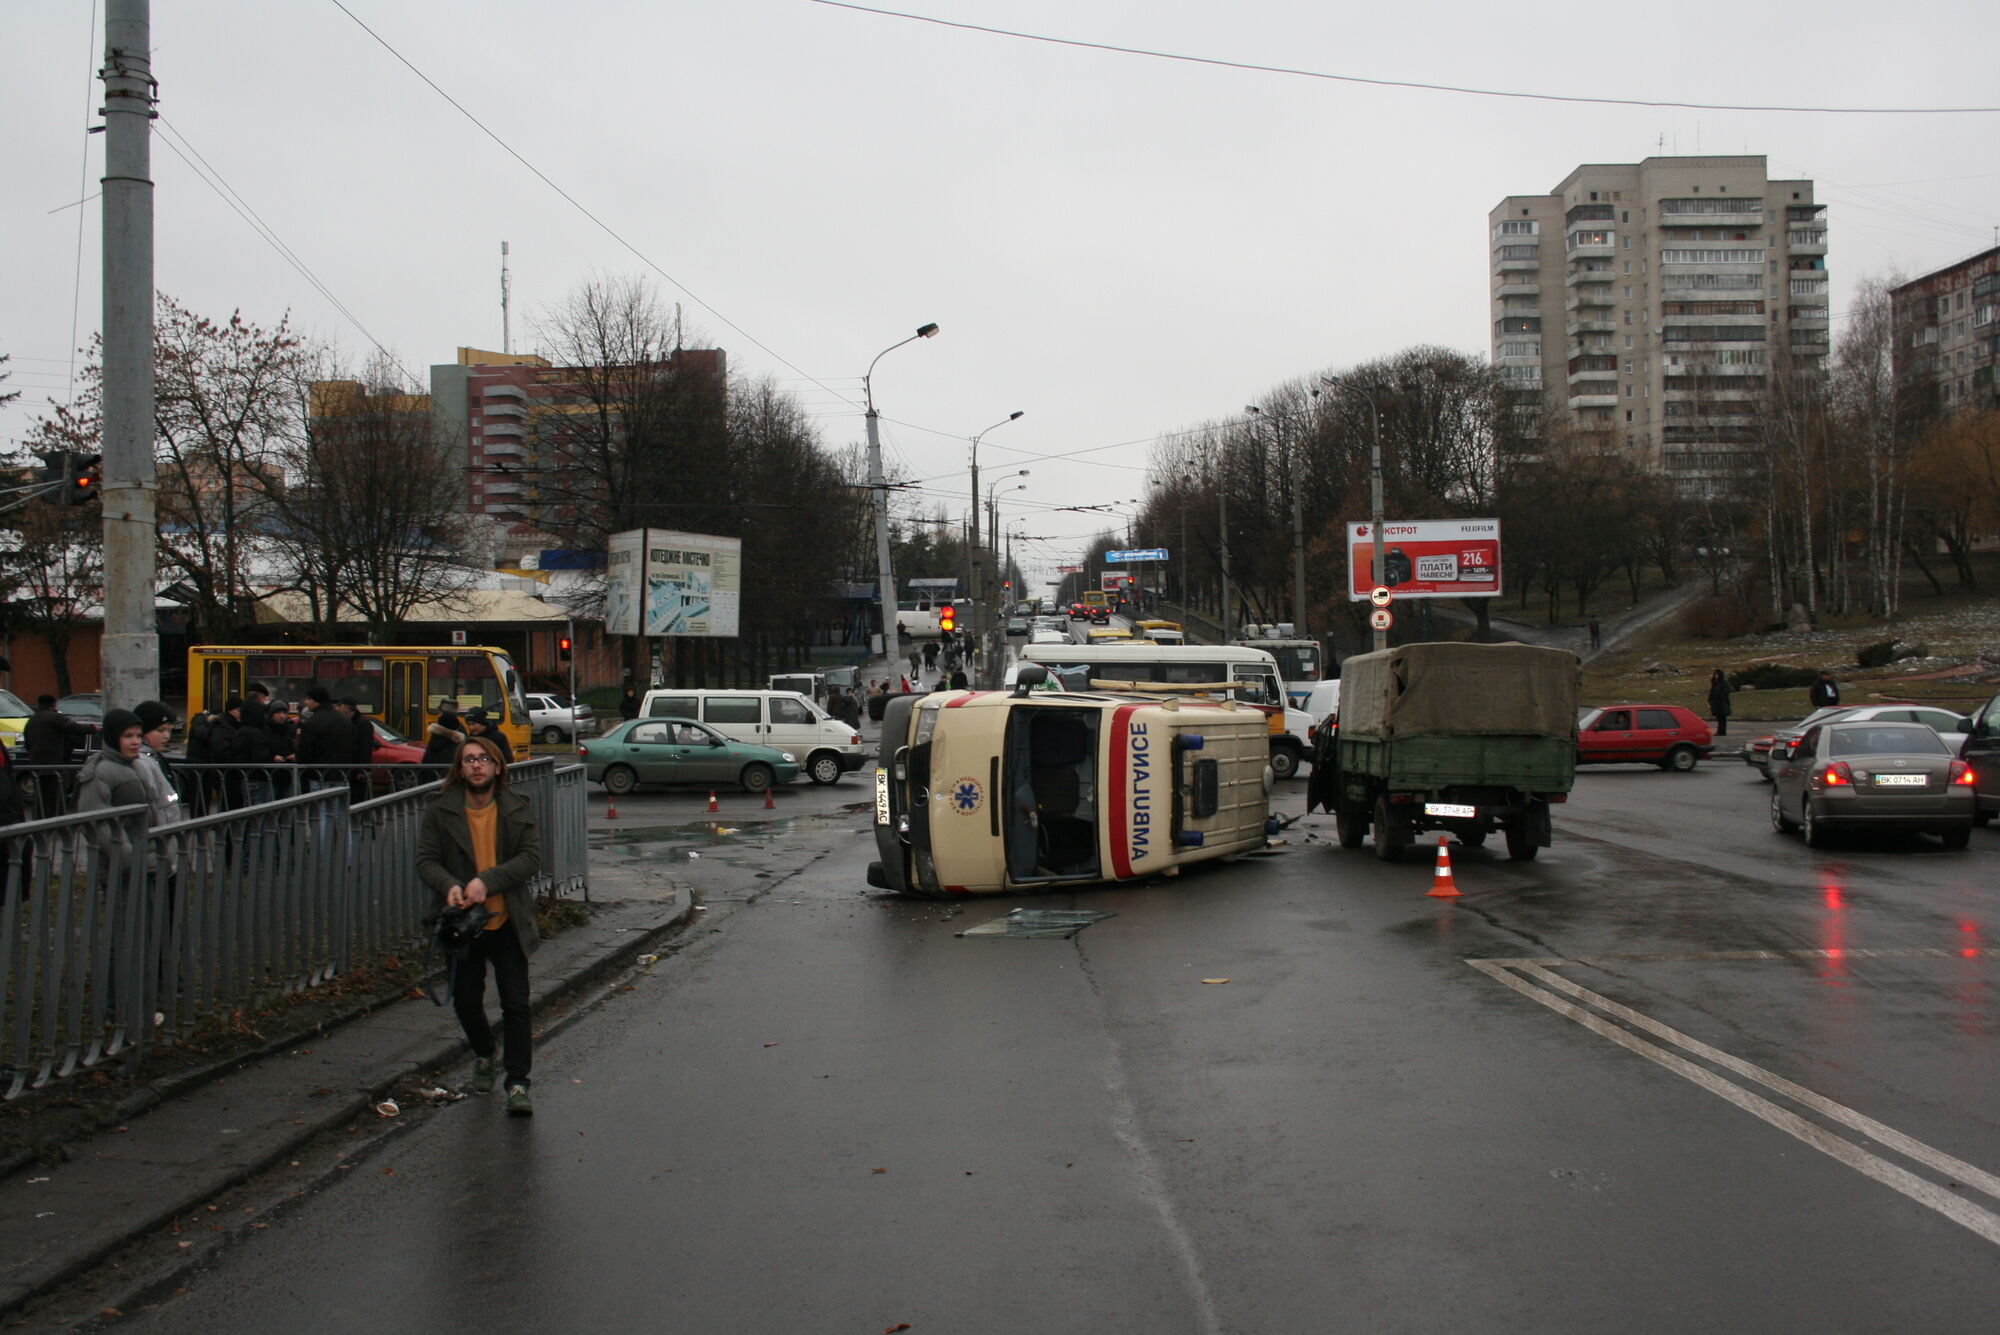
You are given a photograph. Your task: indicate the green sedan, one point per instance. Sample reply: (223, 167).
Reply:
(671, 750)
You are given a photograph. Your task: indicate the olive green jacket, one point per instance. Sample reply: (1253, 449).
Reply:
(444, 856)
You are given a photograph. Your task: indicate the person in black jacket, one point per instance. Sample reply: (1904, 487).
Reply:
(628, 702)
(360, 782)
(48, 737)
(218, 789)
(325, 739)
(482, 726)
(1824, 692)
(252, 745)
(442, 739)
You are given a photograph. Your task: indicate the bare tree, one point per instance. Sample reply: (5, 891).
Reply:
(367, 511)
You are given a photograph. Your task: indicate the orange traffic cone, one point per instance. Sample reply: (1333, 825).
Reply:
(769, 805)
(610, 806)
(711, 802)
(1442, 886)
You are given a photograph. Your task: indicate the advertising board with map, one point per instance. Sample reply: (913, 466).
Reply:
(660, 583)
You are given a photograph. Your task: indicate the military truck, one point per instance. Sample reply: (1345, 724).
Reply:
(1461, 738)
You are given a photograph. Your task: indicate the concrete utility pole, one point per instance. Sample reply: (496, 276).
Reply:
(131, 657)
(886, 573)
(975, 584)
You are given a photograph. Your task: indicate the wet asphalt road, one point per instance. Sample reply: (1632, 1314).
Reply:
(826, 1112)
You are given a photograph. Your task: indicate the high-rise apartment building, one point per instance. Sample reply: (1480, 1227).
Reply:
(1650, 302)
(504, 406)
(1948, 334)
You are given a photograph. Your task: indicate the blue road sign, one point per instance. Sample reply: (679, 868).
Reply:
(1137, 554)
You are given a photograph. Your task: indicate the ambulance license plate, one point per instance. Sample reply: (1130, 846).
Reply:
(1449, 809)
(881, 797)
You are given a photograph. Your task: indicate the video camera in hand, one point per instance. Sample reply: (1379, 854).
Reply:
(459, 928)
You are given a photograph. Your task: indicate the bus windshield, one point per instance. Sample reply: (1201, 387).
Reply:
(1297, 661)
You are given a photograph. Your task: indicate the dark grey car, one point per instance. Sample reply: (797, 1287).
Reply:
(1872, 775)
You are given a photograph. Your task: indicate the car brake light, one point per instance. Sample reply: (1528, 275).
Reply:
(1837, 775)
(1961, 773)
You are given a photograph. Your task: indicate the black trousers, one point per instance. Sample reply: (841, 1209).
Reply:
(501, 949)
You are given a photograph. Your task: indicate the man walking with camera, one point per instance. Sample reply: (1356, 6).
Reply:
(479, 850)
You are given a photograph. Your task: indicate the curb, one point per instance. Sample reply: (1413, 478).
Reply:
(34, 1277)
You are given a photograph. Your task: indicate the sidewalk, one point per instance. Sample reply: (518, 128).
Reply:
(221, 1126)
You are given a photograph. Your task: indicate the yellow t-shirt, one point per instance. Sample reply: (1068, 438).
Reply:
(484, 823)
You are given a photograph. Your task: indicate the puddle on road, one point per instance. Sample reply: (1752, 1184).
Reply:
(690, 840)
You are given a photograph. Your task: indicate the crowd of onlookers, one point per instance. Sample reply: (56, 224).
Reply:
(323, 743)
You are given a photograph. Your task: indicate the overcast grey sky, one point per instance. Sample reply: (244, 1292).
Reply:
(1118, 245)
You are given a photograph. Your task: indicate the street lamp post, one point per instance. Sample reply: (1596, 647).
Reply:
(885, 570)
(987, 645)
(976, 584)
(1374, 488)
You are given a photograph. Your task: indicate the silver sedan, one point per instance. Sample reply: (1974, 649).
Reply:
(1872, 775)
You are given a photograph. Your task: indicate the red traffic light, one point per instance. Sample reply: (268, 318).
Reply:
(562, 646)
(947, 617)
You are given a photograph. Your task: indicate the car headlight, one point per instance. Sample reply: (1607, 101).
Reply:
(789, 756)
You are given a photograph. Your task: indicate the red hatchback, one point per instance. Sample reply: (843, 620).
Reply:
(1663, 735)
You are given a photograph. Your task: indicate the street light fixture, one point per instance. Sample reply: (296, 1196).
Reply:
(1374, 484)
(993, 511)
(885, 570)
(975, 576)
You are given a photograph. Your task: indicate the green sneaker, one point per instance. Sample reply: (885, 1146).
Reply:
(519, 1104)
(484, 1071)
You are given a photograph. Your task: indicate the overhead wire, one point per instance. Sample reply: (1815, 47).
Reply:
(577, 204)
(82, 184)
(214, 180)
(1374, 82)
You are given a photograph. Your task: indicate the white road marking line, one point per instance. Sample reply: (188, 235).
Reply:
(1935, 1159)
(1960, 1211)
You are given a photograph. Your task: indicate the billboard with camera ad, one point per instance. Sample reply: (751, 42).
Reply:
(1428, 558)
(663, 583)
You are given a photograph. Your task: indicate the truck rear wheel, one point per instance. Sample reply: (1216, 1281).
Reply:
(1386, 847)
(1521, 846)
(1351, 824)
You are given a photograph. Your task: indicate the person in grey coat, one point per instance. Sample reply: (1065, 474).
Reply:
(479, 844)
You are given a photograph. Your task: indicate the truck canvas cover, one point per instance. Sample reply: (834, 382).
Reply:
(1460, 690)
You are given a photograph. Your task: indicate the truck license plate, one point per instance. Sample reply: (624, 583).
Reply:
(1899, 780)
(1449, 809)
(881, 797)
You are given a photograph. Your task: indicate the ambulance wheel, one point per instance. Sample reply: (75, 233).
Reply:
(1284, 762)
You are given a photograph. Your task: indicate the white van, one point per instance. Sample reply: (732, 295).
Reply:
(787, 720)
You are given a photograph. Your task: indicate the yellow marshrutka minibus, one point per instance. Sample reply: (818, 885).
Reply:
(987, 792)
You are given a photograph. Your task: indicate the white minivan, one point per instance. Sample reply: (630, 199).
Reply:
(826, 747)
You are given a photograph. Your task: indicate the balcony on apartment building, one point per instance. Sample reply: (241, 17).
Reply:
(507, 408)
(1580, 213)
(1584, 298)
(1597, 322)
(509, 450)
(1593, 394)
(1512, 286)
(1806, 240)
(503, 431)
(1704, 212)
(1805, 213)
(1590, 243)
(504, 391)
(1809, 314)
(1517, 258)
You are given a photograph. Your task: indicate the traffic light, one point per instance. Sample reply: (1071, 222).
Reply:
(71, 478)
(562, 648)
(947, 617)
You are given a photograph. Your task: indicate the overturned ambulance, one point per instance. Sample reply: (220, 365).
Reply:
(985, 792)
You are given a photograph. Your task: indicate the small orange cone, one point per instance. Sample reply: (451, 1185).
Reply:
(610, 806)
(1442, 886)
(769, 805)
(711, 802)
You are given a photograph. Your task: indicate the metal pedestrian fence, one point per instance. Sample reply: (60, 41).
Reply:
(116, 937)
